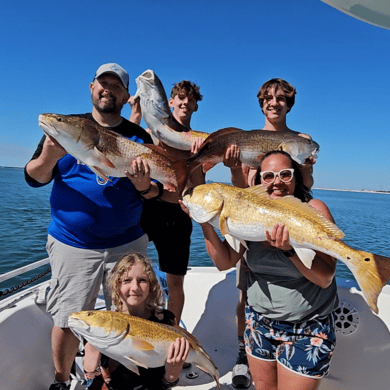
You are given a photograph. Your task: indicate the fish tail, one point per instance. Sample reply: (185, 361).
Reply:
(203, 361)
(182, 173)
(372, 272)
(192, 163)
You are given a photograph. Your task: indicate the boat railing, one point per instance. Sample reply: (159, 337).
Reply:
(20, 271)
(24, 269)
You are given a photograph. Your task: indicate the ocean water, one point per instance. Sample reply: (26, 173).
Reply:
(25, 215)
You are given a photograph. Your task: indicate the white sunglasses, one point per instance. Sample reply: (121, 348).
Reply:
(285, 175)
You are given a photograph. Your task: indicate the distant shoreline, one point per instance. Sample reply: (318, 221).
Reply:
(367, 191)
(314, 188)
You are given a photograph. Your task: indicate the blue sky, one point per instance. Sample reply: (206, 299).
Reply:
(338, 64)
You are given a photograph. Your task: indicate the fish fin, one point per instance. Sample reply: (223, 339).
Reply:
(154, 138)
(259, 190)
(100, 173)
(103, 159)
(186, 333)
(372, 272)
(312, 213)
(141, 344)
(130, 364)
(223, 225)
(306, 255)
(137, 363)
(235, 242)
(158, 149)
(181, 171)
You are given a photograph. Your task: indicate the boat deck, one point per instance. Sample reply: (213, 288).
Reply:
(361, 360)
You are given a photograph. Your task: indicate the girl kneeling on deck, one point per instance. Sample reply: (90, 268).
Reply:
(290, 335)
(135, 290)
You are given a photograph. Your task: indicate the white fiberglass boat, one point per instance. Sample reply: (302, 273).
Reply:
(361, 359)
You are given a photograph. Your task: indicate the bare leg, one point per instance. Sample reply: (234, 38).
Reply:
(288, 380)
(64, 346)
(264, 374)
(240, 313)
(175, 285)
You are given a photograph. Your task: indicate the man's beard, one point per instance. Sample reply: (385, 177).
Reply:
(109, 108)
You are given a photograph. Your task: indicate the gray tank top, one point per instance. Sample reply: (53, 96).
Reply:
(277, 290)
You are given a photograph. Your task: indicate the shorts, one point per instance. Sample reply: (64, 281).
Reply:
(242, 270)
(303, 347)
(77, 275)
(170, 228)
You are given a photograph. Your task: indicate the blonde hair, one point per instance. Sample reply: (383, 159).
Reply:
(156, 298)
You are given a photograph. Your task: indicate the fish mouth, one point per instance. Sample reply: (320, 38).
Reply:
(76, 325)
(77, 322)
(315, 153)
(47, 128)
(148, 75)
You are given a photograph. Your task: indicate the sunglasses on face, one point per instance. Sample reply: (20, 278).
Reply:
(285, 175)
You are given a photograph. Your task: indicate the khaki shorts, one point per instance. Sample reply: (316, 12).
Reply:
(77, 275)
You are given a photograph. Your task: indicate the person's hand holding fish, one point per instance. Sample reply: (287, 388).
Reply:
(53, 149)
(140, 174)
(279, 237)
(232, 157)
(196, 145)
(177, 354)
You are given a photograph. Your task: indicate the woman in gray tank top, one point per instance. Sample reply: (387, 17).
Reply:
(290, 334)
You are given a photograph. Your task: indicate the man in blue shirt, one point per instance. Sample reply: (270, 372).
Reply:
(93, 223)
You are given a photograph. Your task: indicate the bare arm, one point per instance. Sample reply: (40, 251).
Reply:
(41, 168)
(323, 268)
(136, 113)
(220, 252)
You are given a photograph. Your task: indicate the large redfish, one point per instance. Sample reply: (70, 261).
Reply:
(158, 116)
(253, 145)
(246, 214)
(108, 153)
(133, 341)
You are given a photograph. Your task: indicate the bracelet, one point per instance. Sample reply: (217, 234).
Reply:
(144, 192)
(167, 384)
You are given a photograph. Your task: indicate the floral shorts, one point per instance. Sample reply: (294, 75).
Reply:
(303, 347)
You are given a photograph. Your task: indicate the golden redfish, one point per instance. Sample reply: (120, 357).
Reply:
(246, 214)
(253, 145)
(133, 341)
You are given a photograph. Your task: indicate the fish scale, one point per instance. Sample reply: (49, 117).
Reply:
(134, 341)
(246, 214)
(158, 116)
(253, 144)
(108, 153)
